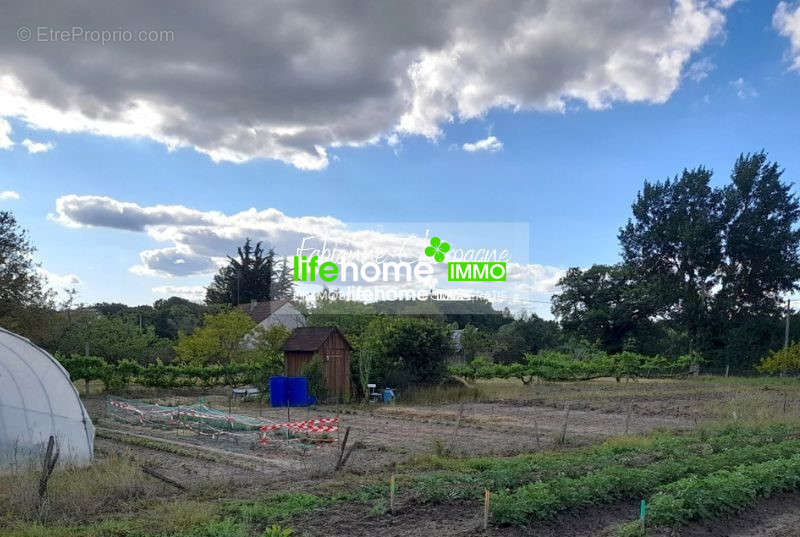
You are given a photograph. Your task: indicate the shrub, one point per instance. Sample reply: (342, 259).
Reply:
(783, 361)
(407, 350)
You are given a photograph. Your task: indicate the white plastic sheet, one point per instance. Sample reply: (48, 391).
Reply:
(37, 399)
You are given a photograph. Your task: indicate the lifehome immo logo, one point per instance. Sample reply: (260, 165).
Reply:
(310, 268)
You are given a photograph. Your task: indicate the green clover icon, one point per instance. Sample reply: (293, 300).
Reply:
(437, 249)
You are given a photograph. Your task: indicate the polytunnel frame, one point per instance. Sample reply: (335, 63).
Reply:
(64, 372)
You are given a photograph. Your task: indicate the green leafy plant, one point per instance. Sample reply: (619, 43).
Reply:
(276, 531)
(786, 360)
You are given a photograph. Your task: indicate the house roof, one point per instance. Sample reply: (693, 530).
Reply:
(310, 338)
(258, 311)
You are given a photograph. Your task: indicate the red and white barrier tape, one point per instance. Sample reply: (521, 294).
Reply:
(322, 425)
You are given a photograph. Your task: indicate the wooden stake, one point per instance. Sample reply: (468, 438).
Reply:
(563, 437)
(48, 463)
(536, 432)
(486, 496)
(458, 425)
(392, 489)
(340, 462)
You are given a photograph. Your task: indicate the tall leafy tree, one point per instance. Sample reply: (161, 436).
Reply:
(604, 304)
(251, 275)
(760, 261)
(22, 288)
(219, 340)
(760, 251)
(674, 243)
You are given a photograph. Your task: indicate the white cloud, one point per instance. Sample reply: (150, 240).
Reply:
(310, 76)
(786, 20)
(743, 89)
(700, 69)
(195, 293)
(8, 195)
(199, 241)
(491, 144)
(60, 281)
(37, 147)
(5, 135)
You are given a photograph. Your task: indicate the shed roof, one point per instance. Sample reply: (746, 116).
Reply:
(258, 311)
(310, 338)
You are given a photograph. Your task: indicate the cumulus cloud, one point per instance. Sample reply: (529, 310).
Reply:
(288, 81)
(195, 293)
(786, 20)
(8, 195)
(37, 147)
(491, 144)
(199, 241)
(5, 135)
(60, 281)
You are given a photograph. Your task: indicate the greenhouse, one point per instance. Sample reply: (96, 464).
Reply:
(38, 400)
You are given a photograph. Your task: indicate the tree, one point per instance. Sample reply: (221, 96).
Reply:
(250, 276)
(350, 317)
(21, 286)
(174, 315)
(760, 261)
(604, 304)
(219, 340)
(113, 338)
(407, 350)
(528, 334)
(474, 342)
(674, 243)
(284, 281)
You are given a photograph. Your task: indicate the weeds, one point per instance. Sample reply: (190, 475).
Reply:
(277, 508)
(74, 493)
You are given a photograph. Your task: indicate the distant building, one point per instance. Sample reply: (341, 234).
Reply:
(266, 314)
(333, 349)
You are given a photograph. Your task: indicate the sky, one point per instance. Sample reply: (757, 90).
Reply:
(140, 144)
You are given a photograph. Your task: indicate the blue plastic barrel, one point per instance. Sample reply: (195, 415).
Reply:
(277, 390)
(297, 391)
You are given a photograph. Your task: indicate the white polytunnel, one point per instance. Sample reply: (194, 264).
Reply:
(37, 400)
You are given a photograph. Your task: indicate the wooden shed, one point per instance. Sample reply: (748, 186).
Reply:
(332, 347)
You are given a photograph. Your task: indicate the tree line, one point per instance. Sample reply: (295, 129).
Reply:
(704, 269)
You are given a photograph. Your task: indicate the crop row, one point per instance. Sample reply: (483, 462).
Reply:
(455, 479)
(719, 493)
(545, 499)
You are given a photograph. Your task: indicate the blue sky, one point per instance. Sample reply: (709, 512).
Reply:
(571, 174)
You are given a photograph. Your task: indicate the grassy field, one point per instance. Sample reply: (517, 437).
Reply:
(704, 453)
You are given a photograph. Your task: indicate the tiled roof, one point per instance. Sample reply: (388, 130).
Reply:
(258, 311)
(309, 338)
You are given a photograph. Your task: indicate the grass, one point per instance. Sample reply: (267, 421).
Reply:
(276, 508)
(74, 493)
